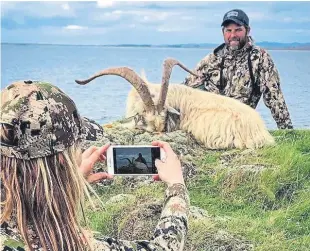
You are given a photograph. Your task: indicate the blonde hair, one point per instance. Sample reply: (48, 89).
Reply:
(45, 195)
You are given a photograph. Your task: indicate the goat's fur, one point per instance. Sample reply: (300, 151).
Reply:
(217, 121)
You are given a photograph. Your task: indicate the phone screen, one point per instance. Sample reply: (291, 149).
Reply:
(135, 160)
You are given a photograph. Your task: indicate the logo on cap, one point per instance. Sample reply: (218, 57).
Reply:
(232, 14)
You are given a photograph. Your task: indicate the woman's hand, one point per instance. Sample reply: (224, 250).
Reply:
(91, 156)
(169, 170)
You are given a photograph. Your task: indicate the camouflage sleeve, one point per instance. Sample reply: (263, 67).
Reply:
(170, 231)
(272, 94)
(200, 70)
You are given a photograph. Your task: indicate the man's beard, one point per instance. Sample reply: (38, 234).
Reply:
(240, 45)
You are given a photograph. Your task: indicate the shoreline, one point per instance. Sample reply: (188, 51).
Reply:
(194, 46)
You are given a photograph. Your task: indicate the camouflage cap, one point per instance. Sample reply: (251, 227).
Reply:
(42, 120)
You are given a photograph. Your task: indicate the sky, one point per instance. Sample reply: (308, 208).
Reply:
(146, 22)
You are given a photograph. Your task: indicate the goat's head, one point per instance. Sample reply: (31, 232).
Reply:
(154, 117)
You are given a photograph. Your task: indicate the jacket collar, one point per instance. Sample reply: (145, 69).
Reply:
(223, 50)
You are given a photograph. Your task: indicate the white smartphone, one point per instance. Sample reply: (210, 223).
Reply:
(133, 160)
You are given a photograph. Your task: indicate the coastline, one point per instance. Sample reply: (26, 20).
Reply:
(265, 45)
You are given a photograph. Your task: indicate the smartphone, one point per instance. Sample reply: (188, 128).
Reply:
(133, 160)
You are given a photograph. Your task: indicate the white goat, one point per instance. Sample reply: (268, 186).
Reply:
(217, 121)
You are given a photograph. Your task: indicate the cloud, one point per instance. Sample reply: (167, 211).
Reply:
(108, 16)
(37, 9)
(171, 29)
(105, 3)
(75, 27)
(258, 16)
(160, 17)
(138, 18)
(187, 18)
(7, 6)
(65, 6)
(287, 19)
(56, 35)
(104, 21)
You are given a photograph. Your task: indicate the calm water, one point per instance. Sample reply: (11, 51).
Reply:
(104, 99)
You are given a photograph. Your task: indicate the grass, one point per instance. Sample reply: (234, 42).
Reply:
(271, 208)
(261, 197)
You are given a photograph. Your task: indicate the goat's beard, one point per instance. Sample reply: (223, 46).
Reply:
(240, 45)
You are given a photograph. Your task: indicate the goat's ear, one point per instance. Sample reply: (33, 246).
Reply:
(172, 120)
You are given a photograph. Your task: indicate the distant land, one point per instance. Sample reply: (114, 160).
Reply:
(266, 45)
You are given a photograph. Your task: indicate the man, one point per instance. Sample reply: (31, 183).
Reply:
(241, 70)
(141, 159)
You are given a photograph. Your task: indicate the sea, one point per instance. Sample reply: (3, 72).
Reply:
(104, 99)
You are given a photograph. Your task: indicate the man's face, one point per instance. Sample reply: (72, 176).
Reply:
(235, 36)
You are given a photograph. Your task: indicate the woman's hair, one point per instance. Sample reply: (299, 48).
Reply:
(44, 195)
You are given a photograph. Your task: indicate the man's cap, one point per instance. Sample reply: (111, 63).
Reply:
(237, 16)
(41, 120)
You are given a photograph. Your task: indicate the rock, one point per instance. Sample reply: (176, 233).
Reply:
(141, 222)
(217, 240)
(198, 213)
(223, 241)
(136, 181)
(120, 198)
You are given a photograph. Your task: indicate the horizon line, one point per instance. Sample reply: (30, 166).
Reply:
(146, 44)
(209, 46)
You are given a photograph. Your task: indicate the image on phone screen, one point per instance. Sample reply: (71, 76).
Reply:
(137, 160)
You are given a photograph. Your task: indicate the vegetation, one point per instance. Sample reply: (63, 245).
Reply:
(240, 199)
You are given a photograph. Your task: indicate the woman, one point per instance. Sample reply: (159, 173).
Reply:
(45, 176)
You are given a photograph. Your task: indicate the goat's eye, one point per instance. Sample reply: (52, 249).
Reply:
(139, 119)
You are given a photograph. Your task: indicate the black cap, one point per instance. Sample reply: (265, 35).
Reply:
(237, 16)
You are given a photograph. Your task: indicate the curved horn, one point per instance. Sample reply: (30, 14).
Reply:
(133, 78)
(167, 68)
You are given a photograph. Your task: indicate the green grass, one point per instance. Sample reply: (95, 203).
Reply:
(108, 219)
(271, 208)
(261, 196)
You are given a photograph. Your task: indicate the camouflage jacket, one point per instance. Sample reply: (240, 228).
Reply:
(169, 233)
(245, 75)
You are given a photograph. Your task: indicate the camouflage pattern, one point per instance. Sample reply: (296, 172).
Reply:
(236, 79)
(169, 233)
(44, 120)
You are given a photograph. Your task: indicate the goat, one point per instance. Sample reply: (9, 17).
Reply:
(134, 166)
(217, 121)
